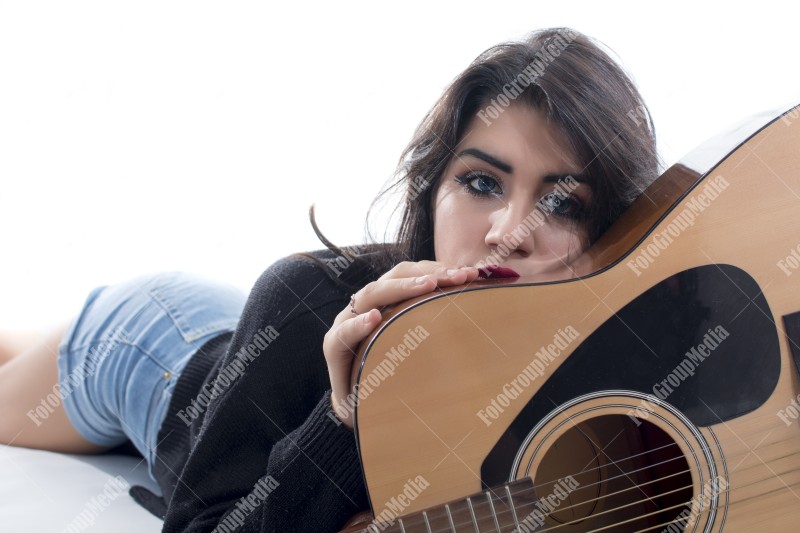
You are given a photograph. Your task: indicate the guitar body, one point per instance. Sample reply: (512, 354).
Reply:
(654, 390)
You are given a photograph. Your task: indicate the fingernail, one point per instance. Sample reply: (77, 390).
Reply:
(452, 271)
(366, 317)
(420, 280)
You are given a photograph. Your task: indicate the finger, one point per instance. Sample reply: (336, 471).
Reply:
(339, 347)
(458, 276)
(413, 269)
(341, 342)
(381, 293)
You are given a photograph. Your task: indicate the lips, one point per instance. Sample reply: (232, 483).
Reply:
(496, 271)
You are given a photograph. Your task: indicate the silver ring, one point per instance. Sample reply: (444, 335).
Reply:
(353, 304)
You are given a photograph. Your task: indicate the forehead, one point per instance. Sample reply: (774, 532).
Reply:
(523, 134)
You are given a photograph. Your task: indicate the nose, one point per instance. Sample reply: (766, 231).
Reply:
(511, 229)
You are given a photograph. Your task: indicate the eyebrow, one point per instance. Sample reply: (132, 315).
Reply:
(480, 154)
(508, 169)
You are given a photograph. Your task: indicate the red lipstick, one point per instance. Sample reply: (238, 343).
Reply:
(496, 271)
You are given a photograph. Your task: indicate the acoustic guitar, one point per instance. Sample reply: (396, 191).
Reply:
(652, 385)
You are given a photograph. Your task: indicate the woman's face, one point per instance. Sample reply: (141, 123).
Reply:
(512, 187)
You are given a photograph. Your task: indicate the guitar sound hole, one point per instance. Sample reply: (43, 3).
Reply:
(629, 477)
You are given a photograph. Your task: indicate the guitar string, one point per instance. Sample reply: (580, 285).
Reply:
(663, 525)
(614, 462)
(634, 518)
(502, 515)
(525, 489)
(683, 504)
(546, 483)
(517, 506)
(730, 457)
(584, 471)
(638, 517)
(530, 489)
(533, 488)
(678, 518)
(632, 487)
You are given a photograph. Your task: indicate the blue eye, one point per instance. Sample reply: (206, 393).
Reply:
(485, 183)
(563, 206)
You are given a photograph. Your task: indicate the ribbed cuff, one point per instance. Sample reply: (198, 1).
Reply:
(331, 446)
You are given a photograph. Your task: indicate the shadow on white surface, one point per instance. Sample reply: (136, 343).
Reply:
(44, 491)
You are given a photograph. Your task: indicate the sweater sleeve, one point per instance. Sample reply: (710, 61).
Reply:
(268, 454)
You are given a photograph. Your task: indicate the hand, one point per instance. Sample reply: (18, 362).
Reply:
(406, 280)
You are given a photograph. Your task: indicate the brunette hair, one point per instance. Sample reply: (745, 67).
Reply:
(575, 84)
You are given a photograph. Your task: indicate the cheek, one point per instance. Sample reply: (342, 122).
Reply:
(560, 241)
(442, 230)
(459, 231)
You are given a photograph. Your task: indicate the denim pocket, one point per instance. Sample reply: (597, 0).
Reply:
(197, 306)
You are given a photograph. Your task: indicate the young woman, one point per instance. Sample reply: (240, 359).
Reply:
(238, 404)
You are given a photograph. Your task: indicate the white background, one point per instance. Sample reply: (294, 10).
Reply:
(143, 136)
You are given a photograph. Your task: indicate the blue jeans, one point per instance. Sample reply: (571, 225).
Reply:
(120, 358)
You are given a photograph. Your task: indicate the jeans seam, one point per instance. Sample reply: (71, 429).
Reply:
(126, 343)
(189, 334)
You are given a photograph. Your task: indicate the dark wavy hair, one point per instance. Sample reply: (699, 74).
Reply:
(581, 90)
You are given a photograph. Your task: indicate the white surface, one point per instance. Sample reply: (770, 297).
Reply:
(118, 119)
(711, 152)
(44, 492)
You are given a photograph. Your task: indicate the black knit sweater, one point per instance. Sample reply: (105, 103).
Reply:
(265, 449)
